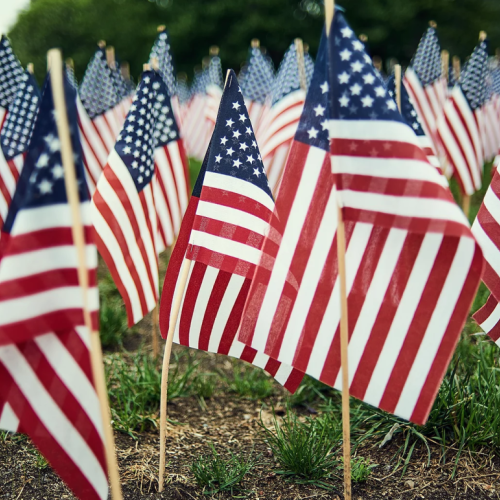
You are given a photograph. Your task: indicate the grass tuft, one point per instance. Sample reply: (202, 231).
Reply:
(112, 315)
(250, 382)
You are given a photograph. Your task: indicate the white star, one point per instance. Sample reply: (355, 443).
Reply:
(243, 146)
(128, 139)
(43, 160)
(53, 143)
(346, 32)
(367, 101)
(415, 126)
(356, 89)
(344, 101)
(324, 87)
(242, 118)
(256, 172)
(357, 45)
(230, 151)
(223, 141)
(218, 158)
(254, 144)
(345, 55)
(135, 164)
(391, 105)
(127, 150)
(248, 130)
(236, 134)
(58, 172)
(343, 77)
(380, 91)
(45, 187)
(325, 125)
(229, 123)
(313, 133)
(357, 66)
(319, 110)
(236, 105)
(140, 179)
(250, 159)
(369, 79)
(237, 163)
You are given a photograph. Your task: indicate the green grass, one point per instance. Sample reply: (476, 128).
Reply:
(249, 382)
(194, 170)
(214, 473)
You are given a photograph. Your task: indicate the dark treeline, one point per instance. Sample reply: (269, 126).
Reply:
(393, 27)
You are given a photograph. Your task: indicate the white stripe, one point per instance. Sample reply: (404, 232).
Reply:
(153, 220)
(6, 174)
(84, 335)
(8, 419)
(238, 186)
(181, 308)
(164, 220)
(492, 320)
(168, 182)
(73, 377)
(405, 313)
(286, 252)
(491, 252)
(51, 416)
(260, 360)
(237, 348)
(283, 373)
(104, 132)
(47, 259)
(277, 165)
(179, 173)
(427, 351)
(91, 134)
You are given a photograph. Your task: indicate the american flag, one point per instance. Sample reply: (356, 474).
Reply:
(123, 207)
(412, 265)
(461, 125)
(491, 121)
(257, 83)
(161, 51)
(171, 184)
(15, 137)
(411, 118)
(11, 75)
(486, 229)
(47, 388)
(279, 123)
(221, 235)
(426, 84)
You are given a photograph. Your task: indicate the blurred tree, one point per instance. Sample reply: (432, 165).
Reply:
(393, 27)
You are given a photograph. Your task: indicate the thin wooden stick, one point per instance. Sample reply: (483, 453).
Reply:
(397, 82)
(466, 204)
(110, 56)
(174, 314)
(456, 67)
(154, 332)
(299, 47)
(55, 64)
(445, 64)
(30, 68)
(344, 332)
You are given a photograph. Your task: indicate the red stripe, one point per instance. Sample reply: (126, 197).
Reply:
(152, 234)
(170, 166)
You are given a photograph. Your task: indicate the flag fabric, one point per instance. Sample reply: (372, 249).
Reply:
(461, 125)
(426, 84)
(47, 389)
(486, 229)
(491, 120)
(412, 264)
(228, 210)
(15, 137)
(257, 84)
(123, 205)
(11, 75)
(171, 184)
(410, 116)
(279, 123)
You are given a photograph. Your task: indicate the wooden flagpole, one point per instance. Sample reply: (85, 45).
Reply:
(55, 63)
(397, 85)
(176, 305)
(344, 333)
(299, 47)
(456, 67)
(30, 68)
(445, 65)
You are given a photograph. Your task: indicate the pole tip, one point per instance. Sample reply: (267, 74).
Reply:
(482, 36)
(161, 28)
(363, 38)
(255, 43)
(101, 44)
(433, 24)
(214, 50)
(155, 64)
(306, 48)
(30, 68)
(146, 67)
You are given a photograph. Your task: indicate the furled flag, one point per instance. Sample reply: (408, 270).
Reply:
(15, 137)
(257, 84)
(486, 229)
(222, 233)
(411, 118)
(11, 75)
(490, 131)
(161, 52)
(279, 124)
(214, 85)
(171, 184)
(412, 264)
(123, 207)
(47, 389)
(426, 84)
(495, 87)
(461, 126)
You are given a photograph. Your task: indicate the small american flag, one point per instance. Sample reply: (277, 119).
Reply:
(222, 233)
(279, 123)
(15, 137)
(47, 388)
(412, 265)
(123, 208)
(426, 84)
(461, 125)
(161, 50)
(11, 75)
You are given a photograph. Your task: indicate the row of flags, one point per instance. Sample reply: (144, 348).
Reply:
(263, 271)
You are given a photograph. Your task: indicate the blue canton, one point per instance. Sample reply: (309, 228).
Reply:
(233, 149)
(314, 122)
(473, 77)
(309, 66)
(18, 126)
(161, 50)
(495, 81)
(166, 129)
(427, 59)
(214, 72)
(183, 91)
(358, 91)
(287, 80)
(70, 73)
(407, 109)
(11, 73)
(258, 78)
(42, 178)
(136, 142)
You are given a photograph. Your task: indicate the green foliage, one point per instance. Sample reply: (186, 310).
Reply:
(204, 385)
(361, 468)
(112, 314)
(194, 170)
(134, 388)
(249, 382)
(214, 473)
(305, 449)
